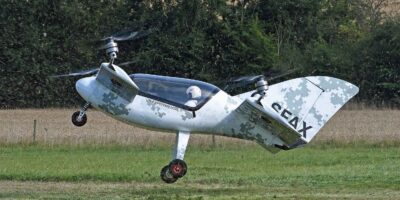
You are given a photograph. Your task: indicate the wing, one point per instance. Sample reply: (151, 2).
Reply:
(295, 110)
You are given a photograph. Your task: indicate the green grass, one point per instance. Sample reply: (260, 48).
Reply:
(239, 172)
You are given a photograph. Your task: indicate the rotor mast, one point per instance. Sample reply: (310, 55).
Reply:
(111, 48)
(261, 88)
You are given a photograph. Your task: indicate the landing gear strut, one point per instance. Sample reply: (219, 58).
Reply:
(175, 170)
(79, 118)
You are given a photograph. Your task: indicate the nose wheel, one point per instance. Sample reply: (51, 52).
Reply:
(79, 118)
(172, 172)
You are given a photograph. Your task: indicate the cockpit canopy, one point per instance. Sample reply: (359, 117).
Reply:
(179, 92)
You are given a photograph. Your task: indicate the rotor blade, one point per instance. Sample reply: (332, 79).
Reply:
(283, 75)
(251, 79)
(126, 63)
(132, 36)
(241, 81)
(80, 73)
(247, 79)
(127, 35)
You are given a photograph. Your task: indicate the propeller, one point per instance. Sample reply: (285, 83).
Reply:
(243, 81)
(110, 43)
(111, 47)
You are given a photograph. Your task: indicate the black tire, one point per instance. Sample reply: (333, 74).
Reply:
(178, 168)
(166, 175)
(75, 121)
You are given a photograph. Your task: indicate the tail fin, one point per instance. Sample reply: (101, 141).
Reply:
(304, 105)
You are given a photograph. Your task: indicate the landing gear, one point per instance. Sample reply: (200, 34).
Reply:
(79, 118)
(172, 172)
(177, 168)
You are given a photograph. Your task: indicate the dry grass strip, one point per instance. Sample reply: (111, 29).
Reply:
(55, 128)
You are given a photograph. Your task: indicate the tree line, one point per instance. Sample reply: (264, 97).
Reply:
(209, 40)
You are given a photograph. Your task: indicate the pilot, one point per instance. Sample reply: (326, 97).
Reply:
(194, 93)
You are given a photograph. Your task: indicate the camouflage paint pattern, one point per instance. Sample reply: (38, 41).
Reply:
(111, 106)
(292, 112)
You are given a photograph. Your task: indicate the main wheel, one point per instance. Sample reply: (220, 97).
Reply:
(166, 175)
(76, 121)
(178, 168)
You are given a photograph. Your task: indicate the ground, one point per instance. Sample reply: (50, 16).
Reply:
(356, 156)
(330, 172)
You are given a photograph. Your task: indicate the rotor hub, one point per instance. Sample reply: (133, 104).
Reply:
(262, 87)
(111, 48)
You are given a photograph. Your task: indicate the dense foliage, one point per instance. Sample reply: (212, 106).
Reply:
(208, 40)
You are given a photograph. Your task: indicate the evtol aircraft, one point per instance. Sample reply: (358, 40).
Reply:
(282, 116)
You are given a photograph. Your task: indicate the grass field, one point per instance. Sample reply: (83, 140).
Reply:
(245, 173)
(356, 156)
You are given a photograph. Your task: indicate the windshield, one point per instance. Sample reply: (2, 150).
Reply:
(184, 93)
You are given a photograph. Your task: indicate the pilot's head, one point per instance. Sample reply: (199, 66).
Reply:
(193, 92)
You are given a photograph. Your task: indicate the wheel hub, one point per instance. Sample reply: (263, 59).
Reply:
(79, 119)
(177, 168)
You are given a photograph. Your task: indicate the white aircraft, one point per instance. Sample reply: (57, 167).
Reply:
(282, 116)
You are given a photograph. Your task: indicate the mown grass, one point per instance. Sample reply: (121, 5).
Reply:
(249, 172)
